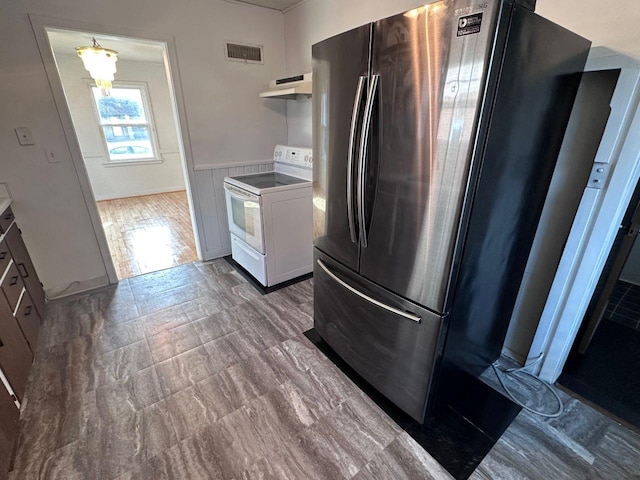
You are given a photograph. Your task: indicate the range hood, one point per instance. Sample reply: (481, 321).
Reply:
(289, 88)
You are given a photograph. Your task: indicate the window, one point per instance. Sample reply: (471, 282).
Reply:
(126, 124)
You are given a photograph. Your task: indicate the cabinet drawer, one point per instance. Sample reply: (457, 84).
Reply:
(5, 219)
(9, 426)
(15, 356)
(252, 261)
(29, 320)
(12, 286)
(5, 256)
(392, 343)
(28, 273)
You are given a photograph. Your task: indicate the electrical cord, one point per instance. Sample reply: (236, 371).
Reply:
(65, 290)
(513, 371)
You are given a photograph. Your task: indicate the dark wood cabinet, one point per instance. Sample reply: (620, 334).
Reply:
(6, 219)
(12, 286)
(22, 304)
(15, 354)
(20, 255)
(28, 320)
(9, 425)
(5, 256)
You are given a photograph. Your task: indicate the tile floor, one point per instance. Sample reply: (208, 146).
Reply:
(607, 373)
(624, 305)
(189, 373)
(148, 233)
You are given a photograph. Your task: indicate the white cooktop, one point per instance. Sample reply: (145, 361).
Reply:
(292, 170)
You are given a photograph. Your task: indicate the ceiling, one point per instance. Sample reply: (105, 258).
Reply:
(65, 42)
(273, 4)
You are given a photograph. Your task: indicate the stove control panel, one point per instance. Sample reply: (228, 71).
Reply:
(300, 157)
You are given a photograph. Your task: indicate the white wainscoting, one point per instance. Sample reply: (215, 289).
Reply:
(214, 232)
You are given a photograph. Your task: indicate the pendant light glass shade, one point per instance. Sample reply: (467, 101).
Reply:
(100, 63)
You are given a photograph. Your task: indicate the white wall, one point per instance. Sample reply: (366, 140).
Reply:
(610, 24)
(313, 21)
(299, 122)
(125, 180)
(226, 121)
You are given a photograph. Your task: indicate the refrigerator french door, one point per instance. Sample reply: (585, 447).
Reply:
(402, 110)
(342, 62)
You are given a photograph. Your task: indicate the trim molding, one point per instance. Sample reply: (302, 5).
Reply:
(219, 253)
(594, 228)
(39, 23)
(295, 5)
(152, 191)
(513, 355)
(80, 287)
(215, 166)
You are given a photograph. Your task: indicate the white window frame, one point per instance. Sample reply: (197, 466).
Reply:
(150, 124)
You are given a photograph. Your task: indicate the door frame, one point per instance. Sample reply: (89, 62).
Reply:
(620, 255)
(595, 226)
(39, 23)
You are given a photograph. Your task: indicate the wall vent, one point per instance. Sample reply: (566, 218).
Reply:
(242, 52)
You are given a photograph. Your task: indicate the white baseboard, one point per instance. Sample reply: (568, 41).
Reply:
(213, 166)
(80, 287)
(151, 191)
(513, 355)
(212, 255)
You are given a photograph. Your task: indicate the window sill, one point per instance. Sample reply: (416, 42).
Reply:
(123, 163)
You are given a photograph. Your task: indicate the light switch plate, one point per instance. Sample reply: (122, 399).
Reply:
(51, 156)
(24, 136)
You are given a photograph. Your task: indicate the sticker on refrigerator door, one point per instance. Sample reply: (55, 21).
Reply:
(469, 24)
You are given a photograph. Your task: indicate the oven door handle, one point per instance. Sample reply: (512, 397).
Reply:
(235, 192)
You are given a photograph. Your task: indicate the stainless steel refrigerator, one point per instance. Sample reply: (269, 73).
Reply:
(435, 135)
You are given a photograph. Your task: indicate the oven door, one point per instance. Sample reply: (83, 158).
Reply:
(245, 216)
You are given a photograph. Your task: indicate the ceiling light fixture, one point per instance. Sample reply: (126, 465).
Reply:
(100, 63)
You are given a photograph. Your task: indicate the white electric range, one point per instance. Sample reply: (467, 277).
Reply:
(270, 217)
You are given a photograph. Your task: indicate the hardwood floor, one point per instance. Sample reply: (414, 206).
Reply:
(148, 233)
(190, 373)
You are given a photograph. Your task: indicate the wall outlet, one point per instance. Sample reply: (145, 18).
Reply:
(24, 136)
(51, 156)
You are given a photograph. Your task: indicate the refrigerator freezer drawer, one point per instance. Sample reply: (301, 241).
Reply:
(391, 342)
(252, 261)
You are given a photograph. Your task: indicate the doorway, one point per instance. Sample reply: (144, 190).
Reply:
(130, 145)
(604, 362)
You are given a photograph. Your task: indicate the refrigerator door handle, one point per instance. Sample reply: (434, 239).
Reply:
(362, 160)
(389, 308)
(352, 145)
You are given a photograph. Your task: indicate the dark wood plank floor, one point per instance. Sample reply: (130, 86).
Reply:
(189, 373)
